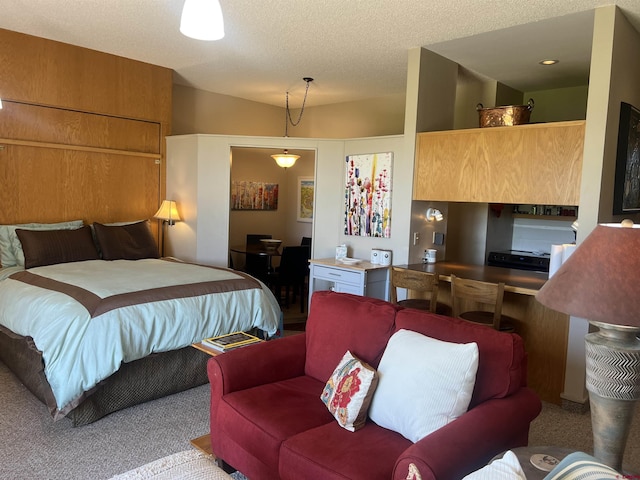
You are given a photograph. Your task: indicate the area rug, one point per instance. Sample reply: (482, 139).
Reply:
(187, 465)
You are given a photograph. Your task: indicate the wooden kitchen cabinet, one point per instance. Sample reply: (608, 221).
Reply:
(535, 163)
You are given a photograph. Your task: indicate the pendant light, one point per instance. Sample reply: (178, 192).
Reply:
(202, 20)
(286, 160)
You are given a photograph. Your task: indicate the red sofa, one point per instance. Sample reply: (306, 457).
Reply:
(267, 419)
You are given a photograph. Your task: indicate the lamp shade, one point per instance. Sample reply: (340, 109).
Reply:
(285, 160)
(168, 212)
(202, 20)
(599, 281)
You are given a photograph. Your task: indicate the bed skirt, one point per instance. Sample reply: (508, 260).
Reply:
(151, 377)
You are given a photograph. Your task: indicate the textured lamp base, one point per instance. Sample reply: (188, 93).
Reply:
(613, 382)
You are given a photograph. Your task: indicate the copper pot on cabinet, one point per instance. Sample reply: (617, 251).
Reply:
(505, 116)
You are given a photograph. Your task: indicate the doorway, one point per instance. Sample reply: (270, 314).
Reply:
(251, 164)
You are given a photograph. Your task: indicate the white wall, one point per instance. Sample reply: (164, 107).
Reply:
(198, 178)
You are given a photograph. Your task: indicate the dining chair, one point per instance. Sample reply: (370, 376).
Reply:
(466, 291)
(292, 274)
(255, 264)
(418, 282)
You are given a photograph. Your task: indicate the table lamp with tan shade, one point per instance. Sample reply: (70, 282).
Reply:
(600, 282)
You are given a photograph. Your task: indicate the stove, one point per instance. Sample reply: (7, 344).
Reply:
(521, 260)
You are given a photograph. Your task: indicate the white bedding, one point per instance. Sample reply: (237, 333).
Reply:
(6, 271)
(79, 351)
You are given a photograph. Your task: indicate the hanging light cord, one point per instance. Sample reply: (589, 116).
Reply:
(287, 117)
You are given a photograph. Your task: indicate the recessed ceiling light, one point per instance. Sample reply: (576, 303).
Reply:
(548, 62)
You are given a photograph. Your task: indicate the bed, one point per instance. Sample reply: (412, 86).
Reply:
(92, 321)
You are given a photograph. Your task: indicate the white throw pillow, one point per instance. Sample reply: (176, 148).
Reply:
(423, 384)
(506, 468)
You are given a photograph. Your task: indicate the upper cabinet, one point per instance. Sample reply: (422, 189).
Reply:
(535, 164)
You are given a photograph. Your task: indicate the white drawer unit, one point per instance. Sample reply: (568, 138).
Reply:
(363, 278)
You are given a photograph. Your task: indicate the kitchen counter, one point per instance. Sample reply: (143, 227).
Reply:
(516, 281)
(544, 331)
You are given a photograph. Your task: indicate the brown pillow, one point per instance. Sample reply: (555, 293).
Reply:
(126, 242)
(48, 247)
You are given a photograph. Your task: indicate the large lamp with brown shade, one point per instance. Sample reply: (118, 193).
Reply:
(599, 282)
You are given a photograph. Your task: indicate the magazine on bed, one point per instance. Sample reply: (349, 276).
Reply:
(230, 341)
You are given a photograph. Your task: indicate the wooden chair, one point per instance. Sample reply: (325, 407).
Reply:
(418, 282)
(491, 295)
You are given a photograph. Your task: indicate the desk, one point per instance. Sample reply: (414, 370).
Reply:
(516, 281)
(544, 331)
(364, 278)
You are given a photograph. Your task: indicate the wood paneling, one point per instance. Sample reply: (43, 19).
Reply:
(49, 185)
(41, 71)
(69, 127)
(539, 164)
(82, 133)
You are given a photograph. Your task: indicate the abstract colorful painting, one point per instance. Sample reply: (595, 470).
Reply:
(367, 195)
(247, 195)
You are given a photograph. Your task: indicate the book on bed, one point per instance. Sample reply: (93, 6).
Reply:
(229, 341)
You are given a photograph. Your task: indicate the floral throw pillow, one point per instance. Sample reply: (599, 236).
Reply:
(348, 393)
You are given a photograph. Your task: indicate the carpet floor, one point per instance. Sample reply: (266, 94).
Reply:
(34, 447)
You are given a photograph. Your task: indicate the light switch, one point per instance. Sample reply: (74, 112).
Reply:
(438, 238)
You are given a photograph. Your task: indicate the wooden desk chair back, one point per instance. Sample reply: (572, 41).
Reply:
(423, 283)
(491, 295)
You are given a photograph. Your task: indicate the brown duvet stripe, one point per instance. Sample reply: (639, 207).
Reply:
(89, 300)
(97, 306)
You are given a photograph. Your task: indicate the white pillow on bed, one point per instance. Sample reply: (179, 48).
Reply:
(11, 253)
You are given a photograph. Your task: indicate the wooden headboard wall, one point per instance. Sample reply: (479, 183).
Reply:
(81, 133)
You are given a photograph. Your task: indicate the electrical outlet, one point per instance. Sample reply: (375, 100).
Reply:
(416, 238)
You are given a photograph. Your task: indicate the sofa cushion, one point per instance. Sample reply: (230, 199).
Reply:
(330, 452)
(424, 384)
(260, 418)
(339, 322)
(348, 392)
(501, 369)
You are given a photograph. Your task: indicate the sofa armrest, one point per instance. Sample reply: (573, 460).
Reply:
(472, 440)
(259, 364)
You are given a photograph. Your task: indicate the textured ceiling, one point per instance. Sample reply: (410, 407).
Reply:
(354, 49)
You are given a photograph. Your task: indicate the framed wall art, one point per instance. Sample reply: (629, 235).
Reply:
(306, 190)
(247, 195)
(367, 195)
(626, 188)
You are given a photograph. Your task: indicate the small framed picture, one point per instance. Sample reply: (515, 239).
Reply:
(626, 188)
(306, 188)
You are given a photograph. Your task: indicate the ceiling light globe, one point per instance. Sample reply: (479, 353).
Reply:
(202, 20)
